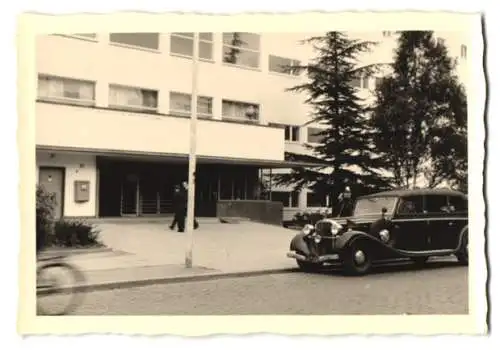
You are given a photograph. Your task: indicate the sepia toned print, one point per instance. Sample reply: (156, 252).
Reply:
(253, 173)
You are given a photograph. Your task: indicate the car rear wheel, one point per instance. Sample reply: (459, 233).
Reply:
(356, 259)
(463, 254)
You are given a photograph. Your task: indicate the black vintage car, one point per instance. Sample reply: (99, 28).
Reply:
(387, 226)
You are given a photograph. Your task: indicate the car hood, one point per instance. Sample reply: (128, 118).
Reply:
(361, 223)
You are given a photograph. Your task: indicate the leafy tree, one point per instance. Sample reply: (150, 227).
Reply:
(344, 147)
(420, 115)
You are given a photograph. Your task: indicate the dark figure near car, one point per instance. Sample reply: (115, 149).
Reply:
(180, 208)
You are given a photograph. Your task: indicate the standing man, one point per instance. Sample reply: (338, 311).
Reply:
(180, 208)
(185, 197)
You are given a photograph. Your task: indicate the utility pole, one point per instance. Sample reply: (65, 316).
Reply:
(192, 154)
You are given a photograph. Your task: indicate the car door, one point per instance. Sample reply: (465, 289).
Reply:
(410, 224)
(439, 221)
(459, 218)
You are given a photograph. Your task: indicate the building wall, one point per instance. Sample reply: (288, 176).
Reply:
(107, 63)
(91, 128)
(77, 168)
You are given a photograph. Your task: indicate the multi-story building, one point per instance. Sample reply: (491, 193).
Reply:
(112, 118)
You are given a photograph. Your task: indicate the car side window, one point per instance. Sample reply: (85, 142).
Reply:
(437, 204)
(410, 205)
(458, 203)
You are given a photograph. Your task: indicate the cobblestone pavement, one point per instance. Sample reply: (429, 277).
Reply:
(440, 288)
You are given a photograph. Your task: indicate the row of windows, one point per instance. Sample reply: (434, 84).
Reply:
(414, 205)
(291, 199)
(239, 49)
(137, 99)
(364, 82)
(292, 133)
(51, 88)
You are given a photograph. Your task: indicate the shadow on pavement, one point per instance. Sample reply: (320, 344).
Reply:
(393, 267)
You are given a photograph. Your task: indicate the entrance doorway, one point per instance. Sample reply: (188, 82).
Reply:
(52, 180)
(141, 188)
(130, 195)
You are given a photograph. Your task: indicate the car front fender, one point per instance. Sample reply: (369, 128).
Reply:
(347, 238)
(298, 244)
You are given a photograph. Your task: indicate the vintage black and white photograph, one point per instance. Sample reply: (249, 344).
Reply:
(320, 172)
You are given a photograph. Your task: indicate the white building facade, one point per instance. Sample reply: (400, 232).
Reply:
(113, 109)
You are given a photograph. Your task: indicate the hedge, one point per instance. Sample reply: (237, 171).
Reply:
(61, 233)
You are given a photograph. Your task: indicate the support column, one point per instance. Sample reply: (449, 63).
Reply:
(270, 184)
(218, 185)
(245, 185)
(138, 199)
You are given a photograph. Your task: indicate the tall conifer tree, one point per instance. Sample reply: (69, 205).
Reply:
(344, 145)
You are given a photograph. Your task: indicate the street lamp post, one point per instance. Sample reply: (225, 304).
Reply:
(192, 155)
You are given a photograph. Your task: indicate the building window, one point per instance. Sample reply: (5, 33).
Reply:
(182, 44)
(312, 135)
(133, 98)
(241, 49)
(240, 110)
(289, 199)
(386, 33)
(463, 51)
(281, 196)
(149, 41)
(66, 89)
(355, 82)
(365, 82)
(180, 104)
(282, 65)
(458, 203)
(291, 131)
(378, 81)
(315, 200)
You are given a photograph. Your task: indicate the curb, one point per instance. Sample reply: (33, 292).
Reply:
(77, 251)
(177, 279)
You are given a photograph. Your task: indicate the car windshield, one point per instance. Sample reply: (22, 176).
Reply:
(374, 205)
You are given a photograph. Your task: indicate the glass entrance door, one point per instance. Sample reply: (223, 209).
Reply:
(130, 195)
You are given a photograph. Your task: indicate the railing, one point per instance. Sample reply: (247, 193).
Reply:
(155, 206)
(147, 207)
(128, 208)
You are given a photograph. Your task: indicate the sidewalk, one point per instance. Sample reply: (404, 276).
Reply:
(145, 253)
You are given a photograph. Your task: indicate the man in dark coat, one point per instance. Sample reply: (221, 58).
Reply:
(180, 208)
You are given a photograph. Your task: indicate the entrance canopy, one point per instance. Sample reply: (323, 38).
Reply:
(181, 158)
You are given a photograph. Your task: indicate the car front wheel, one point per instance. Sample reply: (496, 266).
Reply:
(357, 259)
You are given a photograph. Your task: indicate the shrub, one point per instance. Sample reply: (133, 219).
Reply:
(302, 218)
(45, 203)
(60, 233)
(76, 233)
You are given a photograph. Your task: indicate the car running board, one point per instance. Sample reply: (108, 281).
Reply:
(436, 252)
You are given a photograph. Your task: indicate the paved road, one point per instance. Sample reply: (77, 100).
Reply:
(441, 288)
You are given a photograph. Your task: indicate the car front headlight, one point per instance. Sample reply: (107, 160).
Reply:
(336, 227)
(384, 235)
(307, 229)
(317, 238)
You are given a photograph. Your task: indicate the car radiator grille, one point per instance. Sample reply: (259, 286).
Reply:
(324, 228)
